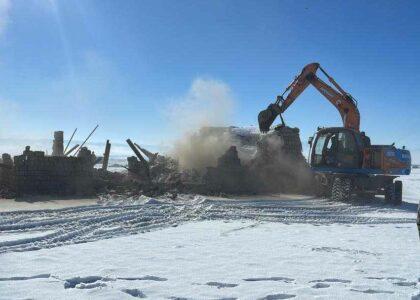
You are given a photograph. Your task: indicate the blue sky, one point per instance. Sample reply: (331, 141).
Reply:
(125, 64)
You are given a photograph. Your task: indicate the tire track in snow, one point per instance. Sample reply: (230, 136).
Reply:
(89, 223)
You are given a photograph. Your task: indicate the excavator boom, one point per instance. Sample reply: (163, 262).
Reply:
(344, 102)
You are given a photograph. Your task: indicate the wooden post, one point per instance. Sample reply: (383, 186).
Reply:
(68, 143)
(71, 150)
(106, 156)
(86, 140)
(142, 160)
(151, 156)
(136, 151)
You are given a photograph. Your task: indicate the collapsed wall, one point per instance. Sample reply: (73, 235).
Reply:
(39, 174)
(7, 178)
(257, 163)
(34, 173)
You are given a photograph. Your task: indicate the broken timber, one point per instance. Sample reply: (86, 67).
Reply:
(151, 156)
(143, 162)
(106, 155)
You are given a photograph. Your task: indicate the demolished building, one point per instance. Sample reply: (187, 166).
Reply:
(246, 162)
(271, 162)
(249, 163)
(33, 172)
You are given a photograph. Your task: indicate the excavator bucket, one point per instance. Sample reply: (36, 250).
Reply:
(266, 118)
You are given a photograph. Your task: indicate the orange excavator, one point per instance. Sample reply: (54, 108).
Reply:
(342, 158)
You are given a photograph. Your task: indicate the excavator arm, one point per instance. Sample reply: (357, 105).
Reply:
(343, 102)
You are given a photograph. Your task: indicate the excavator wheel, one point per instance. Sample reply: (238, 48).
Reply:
(341, 189)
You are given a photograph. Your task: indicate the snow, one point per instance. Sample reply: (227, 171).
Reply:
(217, 259)
(43, 202)
(195, 247)
(411, 186)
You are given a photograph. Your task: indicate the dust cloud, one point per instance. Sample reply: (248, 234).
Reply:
(281, 167)
(202, 116)
(208, 102)
(200, 149)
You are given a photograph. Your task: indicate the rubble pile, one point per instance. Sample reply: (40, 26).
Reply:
(252, 163)
(229, 176)
(279, 164)
(249, 163)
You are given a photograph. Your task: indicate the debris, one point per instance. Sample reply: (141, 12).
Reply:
(136, 151)
(84, 142)
(58, 144)
(250, 163)
(106, 156)
(6, 160)
(71, 150)
(71, 138)
(229, 176)
(151, 156)
(139, 167)
(279, 165)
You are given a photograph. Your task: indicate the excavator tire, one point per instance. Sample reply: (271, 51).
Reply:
(341, 189)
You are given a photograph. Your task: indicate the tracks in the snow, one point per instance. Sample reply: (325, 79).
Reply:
(90, 223)
(78, 225)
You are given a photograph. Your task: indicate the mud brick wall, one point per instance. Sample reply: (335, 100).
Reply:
(38, 174)
(6, 176)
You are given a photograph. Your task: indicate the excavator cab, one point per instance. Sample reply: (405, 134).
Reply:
(336, 148)
(345, 162)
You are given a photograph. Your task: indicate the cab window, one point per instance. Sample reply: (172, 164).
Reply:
(336, 150)
(319, 149)
(347, 151)
(346, 143)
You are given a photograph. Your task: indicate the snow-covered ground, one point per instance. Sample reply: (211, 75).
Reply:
(273, 247)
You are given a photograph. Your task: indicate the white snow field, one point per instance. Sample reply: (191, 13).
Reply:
(194, 247)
